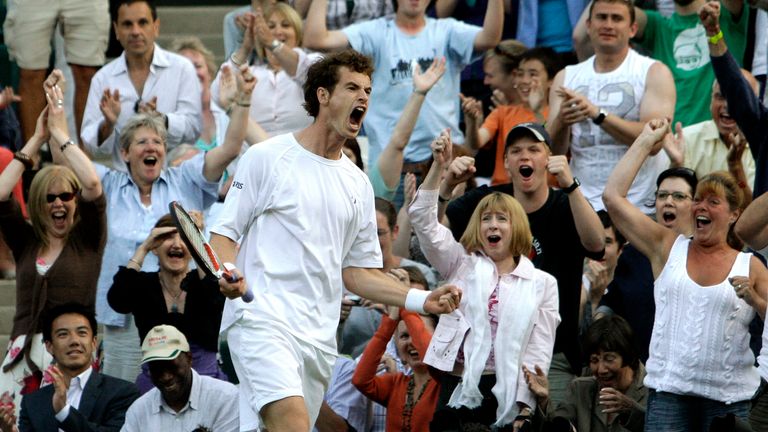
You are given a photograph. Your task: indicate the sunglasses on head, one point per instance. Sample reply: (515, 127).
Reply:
(64, 197)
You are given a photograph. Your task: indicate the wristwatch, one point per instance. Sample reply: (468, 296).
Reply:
(600, 117)
(274, 45)
(69, 142)
(576, 183)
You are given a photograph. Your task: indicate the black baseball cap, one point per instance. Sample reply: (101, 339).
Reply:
(532, 130)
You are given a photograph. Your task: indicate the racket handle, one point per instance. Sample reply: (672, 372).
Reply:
(231, 277)
(248, 296)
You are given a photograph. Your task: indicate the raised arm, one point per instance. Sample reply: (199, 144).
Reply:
(216, 160)
(752, 226)
(10, 176)
(316, 33)
(227, 91)
(588, 225)
(743, 104)
(476, 135)
(651, 239)
(558, 127)
(287, 57)
(493, 24)
(377, 388)
(390, 162)
(65, 151)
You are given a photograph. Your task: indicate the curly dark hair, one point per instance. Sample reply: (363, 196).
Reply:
(325, 73)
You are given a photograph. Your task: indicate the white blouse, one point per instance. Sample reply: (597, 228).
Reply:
(277, 99)
(700, 340)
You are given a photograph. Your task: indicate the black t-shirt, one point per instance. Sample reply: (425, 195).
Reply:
(556, 250)
(630, 295)
(141, 294)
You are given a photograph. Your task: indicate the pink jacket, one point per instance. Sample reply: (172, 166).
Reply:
(455, 266)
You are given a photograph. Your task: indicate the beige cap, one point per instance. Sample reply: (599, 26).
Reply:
(163, 342)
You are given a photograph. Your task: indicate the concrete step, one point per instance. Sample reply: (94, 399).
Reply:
(205, 22)
(198, 20)
(215, 43)
(7, 311)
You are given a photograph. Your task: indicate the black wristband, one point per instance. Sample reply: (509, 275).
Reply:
(576, 183)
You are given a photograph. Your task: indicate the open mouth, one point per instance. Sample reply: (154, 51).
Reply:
(702, 221)
(356, 117)
(175, 253)
(150, 161)
(526, 171)
(494, 239)
(668, 216)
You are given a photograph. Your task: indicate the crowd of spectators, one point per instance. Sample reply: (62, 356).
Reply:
(590, 176)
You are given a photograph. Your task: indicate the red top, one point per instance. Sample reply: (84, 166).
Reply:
(390, 389)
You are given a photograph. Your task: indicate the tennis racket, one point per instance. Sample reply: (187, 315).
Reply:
(201, 250)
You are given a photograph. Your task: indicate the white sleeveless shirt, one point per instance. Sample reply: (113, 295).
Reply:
(594, 152)
(700, 340)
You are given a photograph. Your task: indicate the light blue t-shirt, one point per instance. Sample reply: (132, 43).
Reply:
(393, 52)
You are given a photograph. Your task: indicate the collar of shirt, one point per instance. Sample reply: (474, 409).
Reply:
(128, 180)
(159, 60)
(524, 269)
(193, 402)
(77, 386)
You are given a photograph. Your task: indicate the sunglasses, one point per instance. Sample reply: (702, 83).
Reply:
(64, 197)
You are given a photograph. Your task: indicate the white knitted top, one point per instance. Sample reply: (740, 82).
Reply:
(700, 340)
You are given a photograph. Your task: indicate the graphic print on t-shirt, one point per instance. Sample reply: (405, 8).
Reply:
(617, 98)
(402, 69)
(691, 51)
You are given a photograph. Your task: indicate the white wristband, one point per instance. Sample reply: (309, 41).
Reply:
(415, 300)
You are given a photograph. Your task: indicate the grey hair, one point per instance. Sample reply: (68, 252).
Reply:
(154, 122)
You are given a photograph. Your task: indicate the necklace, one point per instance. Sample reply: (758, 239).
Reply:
(410, 402)
(174, 298)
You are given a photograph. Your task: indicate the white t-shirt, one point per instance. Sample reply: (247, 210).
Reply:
(302, 219)
(594, 153)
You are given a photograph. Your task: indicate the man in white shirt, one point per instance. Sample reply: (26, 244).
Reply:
(80, 398)
(144, 78)
(306, 217)
(713, 145)
(598, 107)
(182, 400)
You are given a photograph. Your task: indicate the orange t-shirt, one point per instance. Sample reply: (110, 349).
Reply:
(498, 124)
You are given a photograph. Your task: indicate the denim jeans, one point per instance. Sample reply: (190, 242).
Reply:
(668, 412)
(758, 417)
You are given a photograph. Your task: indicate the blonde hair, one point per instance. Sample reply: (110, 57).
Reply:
(508, 53)
(38, 203)
(290, 14)
(522, 239)
(193, 43)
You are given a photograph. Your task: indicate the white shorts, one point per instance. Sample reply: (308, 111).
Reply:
(271, 365)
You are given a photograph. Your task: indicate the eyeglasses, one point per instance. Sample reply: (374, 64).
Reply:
(64, 197)
(676, 196)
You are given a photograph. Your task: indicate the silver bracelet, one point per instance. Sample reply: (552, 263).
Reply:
(232, 59)
(66, 144)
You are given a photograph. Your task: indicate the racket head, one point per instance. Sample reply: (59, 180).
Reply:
(200, 250)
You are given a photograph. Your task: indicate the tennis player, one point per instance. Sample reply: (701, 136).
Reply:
(305, 216)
